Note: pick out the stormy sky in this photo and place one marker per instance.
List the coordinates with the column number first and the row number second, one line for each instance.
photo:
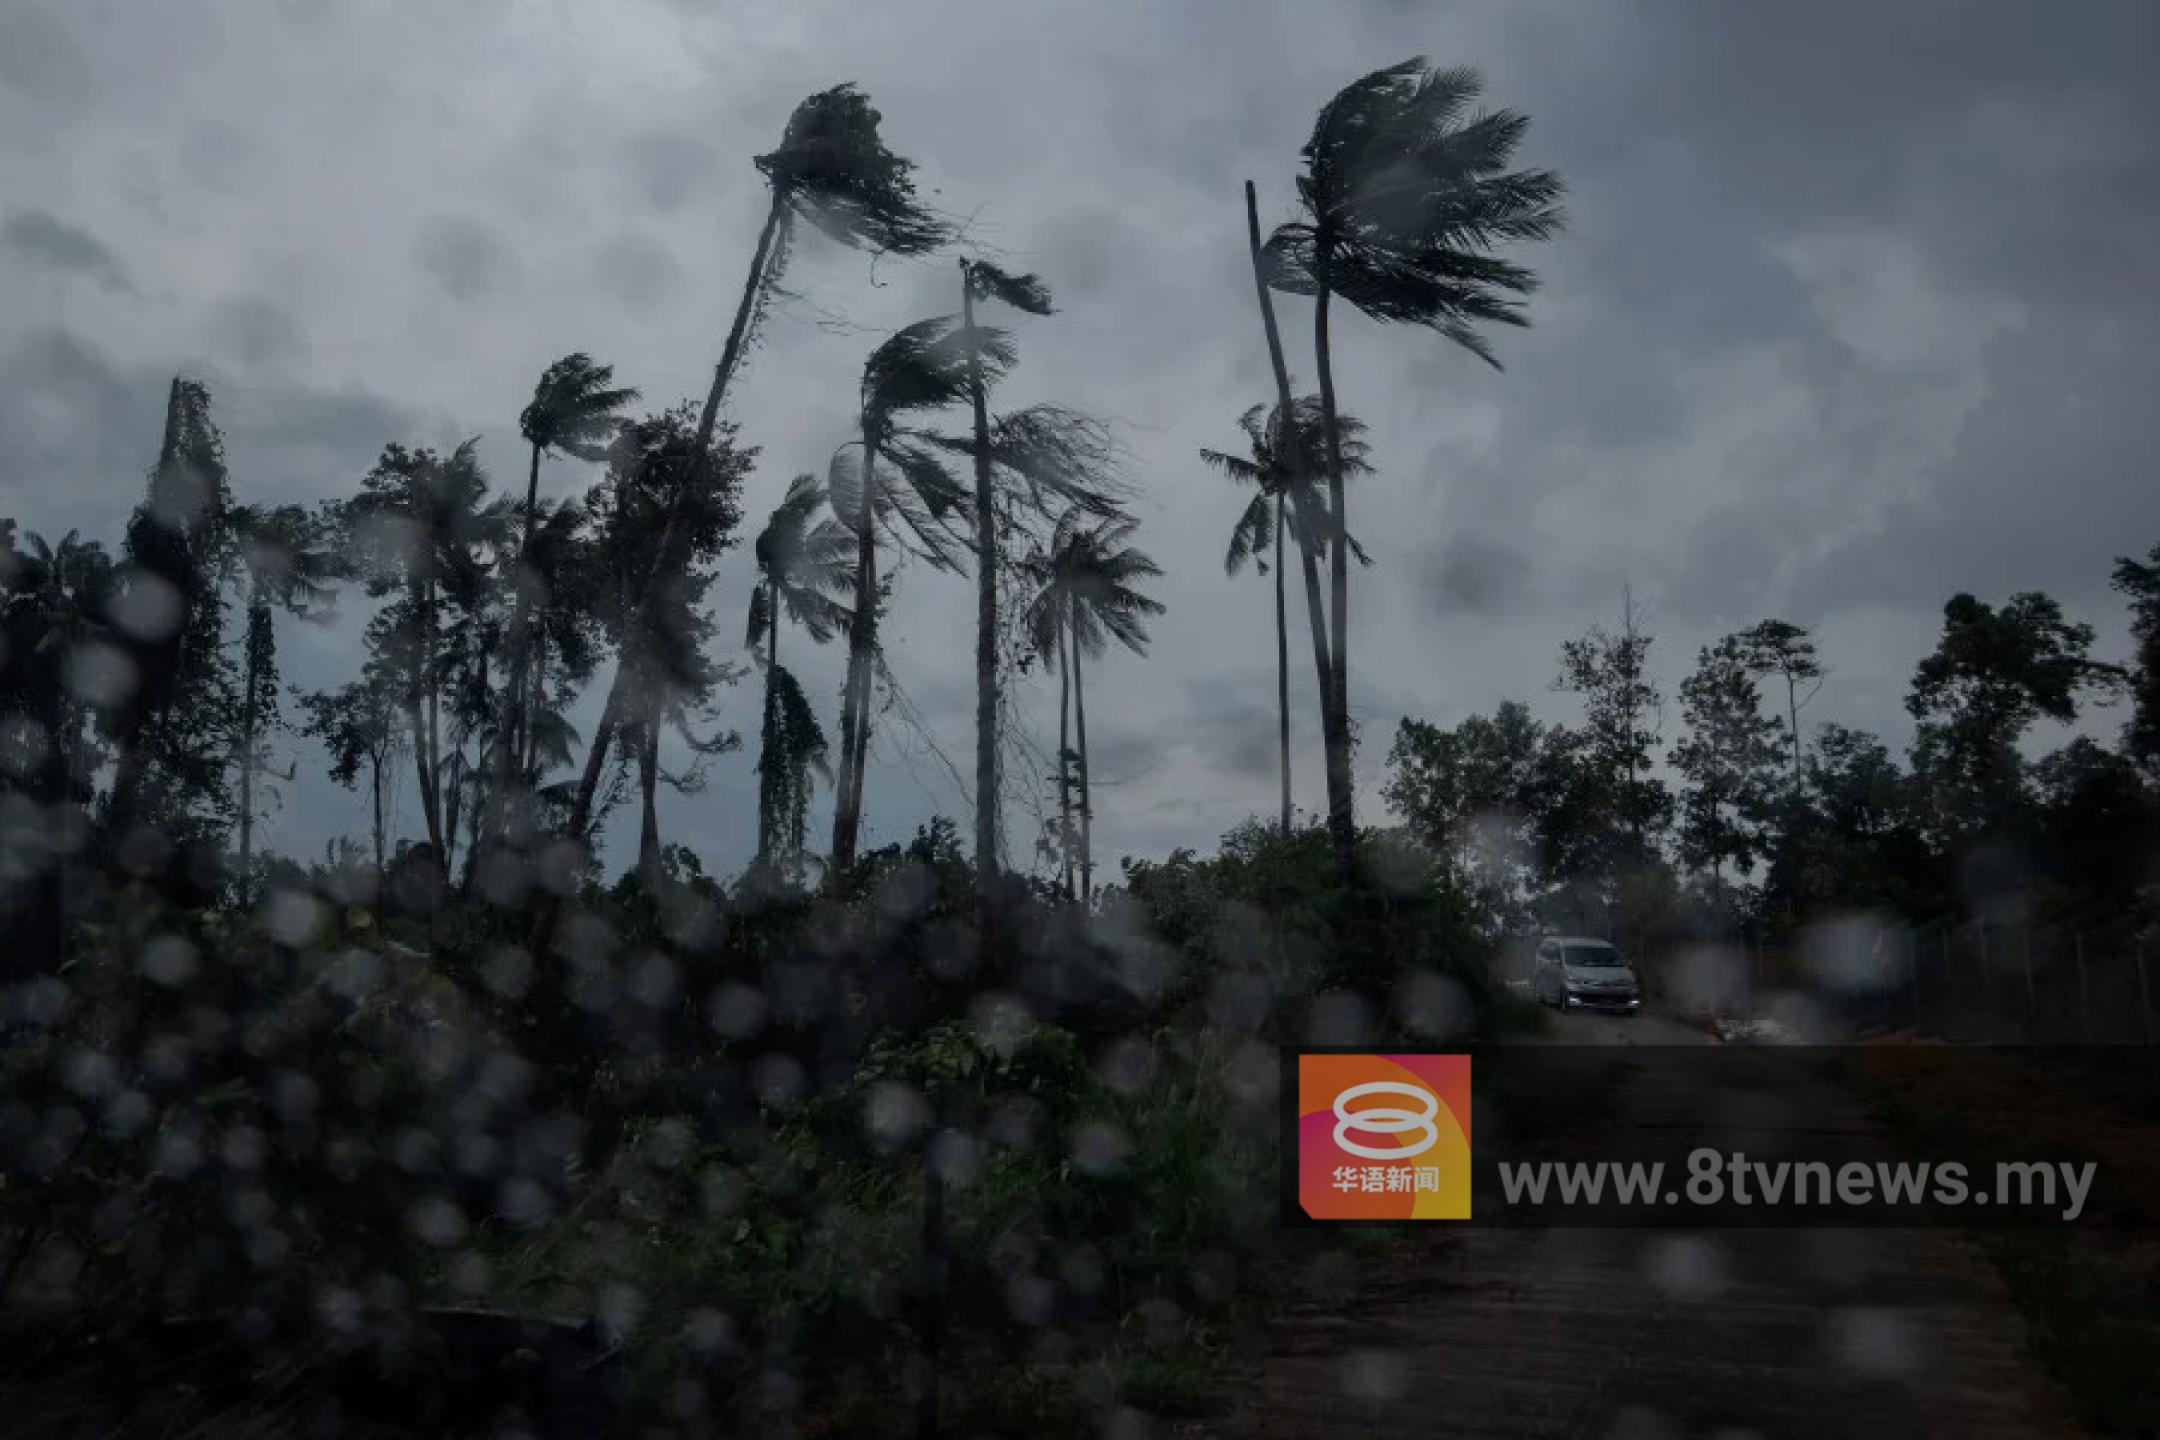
column 1857, row 307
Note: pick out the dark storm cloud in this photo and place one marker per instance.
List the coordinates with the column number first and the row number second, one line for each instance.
column 53, row 243
column 467, row 257
column 667, row 171
column 39, row 57
column 1857, row 307
column 1475, row 575
column 79, row 432
column 640, row 271
column 257, row 331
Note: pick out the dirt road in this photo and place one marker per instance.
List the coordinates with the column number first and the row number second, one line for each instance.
column 1636, row 1334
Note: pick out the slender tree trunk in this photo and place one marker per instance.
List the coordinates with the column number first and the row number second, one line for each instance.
column 768, row 820
column 1065, row 825
column 693, row 479
column 438, row 830
column 251, row 679
column 1087, row 796
column 535, row 702
column 453, row 808
column 1301, row 488
column 1282, row 665
column 1792, row 712
column 375, row 785
column 595, row 763
column 509, row 741
column 986, row 686
column 855, row 700
column 1342, row 819
column 649, row 821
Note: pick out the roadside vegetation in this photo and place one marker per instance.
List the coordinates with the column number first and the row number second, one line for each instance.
column 861, row 1139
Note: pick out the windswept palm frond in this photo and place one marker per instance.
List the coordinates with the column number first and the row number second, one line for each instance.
column 1407, row 194
column 805, row 567
column 1023, row 292
column 832, row 169
column 924, row 366
column 1268, row 469
column 576, row 408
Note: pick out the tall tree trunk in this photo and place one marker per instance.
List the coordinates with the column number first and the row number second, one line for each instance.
column 768, row 821
column 1342, row 819
column 986, row 538
column 1792, row 712
column 251, row 678
column 453, row 808
column 693, row 479
column 509, row 739
column 1087, row 797
column 535, row 702
column 862, row 646
column 595, row 764
column 375, row 785
column 649, row 811
column 1282, row 666
column 1065, row 825
column 1301, row 487
column 438, row 831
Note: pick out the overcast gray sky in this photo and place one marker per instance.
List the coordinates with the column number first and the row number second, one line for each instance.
column 1858, row 307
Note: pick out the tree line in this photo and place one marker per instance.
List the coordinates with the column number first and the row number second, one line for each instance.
column 1761, row 821
column 142, row 691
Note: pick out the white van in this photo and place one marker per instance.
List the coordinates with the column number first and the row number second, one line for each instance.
column 1574, row 973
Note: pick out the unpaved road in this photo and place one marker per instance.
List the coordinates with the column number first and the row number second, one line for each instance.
column 1635, row 1334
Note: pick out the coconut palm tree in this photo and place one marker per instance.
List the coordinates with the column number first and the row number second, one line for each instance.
column 922, row 368
column 576, row 409
column 804, row 574
column 291, row 563
column 650, row 603
column 1046, row 454
column 1405, row 197
column 421, row 530
column 832, row 171
column 1277, row 506
column 65, row 588
column 1085, row 598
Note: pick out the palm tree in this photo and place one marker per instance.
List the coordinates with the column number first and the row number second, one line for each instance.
column 650, row 601
column 576, row 409
column 1049, row 454
column 420, row 529
column 1084, row 599
column 1405, row 197
column 66, row 585
column 924, row 367
column 832, row 170
column 803, row 575
column 1276, row 479
column 561, row 563
column 292, row 564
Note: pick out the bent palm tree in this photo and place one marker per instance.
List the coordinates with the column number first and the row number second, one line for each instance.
column 1086, row 598
column 1405, row 197
column 576, row 409
column 803, row 574
column 1048, row 453
column 833, row 171
column 921, row 368
column 1282, row 500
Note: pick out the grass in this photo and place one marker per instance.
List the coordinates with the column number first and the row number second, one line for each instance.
column 2089, row 1294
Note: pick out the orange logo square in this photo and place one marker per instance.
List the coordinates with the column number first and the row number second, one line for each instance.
column 1383, row 1137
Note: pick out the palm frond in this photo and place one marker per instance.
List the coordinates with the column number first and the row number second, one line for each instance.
column 1022, row 292
column 832, row 168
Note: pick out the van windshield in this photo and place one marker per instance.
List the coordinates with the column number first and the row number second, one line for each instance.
column 1599, row 957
